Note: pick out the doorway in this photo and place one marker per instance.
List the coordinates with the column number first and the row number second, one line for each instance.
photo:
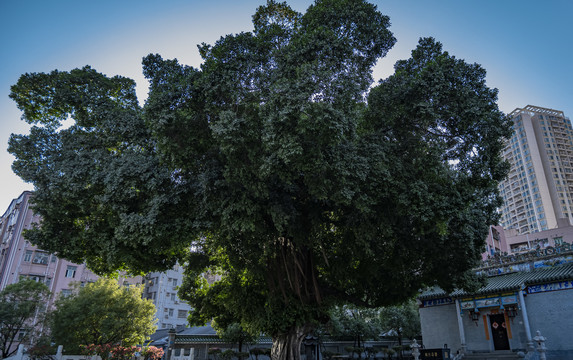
column 499, row 332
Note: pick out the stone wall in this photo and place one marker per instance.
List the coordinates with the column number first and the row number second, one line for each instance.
column 440, row 326
column 552, row 314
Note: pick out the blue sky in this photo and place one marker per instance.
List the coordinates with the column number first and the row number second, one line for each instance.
column 526, row 46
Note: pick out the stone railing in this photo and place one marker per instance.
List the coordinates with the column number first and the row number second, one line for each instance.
column 21, row 355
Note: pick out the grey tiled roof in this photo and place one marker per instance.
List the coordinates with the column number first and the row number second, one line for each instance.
column 510, row 282
column 205, row 335
column 211, row 339
column 198, row 339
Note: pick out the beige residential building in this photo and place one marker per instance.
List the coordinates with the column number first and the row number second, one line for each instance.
column 538, row 190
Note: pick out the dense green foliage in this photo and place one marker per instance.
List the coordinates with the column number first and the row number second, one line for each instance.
column 277, row 165
column 22, row 308
column 102, row 313
column 235, row 335
column 402, row 321
column 351, row 323
column 102, row 193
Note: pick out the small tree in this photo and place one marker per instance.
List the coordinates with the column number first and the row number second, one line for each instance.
column 20, row 306
column 151, row 353
column 42, row 349
column 228, row 354
column 103, row 313
column 354, row 323
column 101, row 350
column 123, row 352
column 256, row 352
column 402, row 320
column 235, row 334
column 214, row 352
column 371, row 352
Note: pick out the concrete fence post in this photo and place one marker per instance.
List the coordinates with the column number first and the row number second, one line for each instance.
column 59, row 353
column 20, row 352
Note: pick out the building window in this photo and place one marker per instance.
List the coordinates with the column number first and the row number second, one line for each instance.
column 40, row 258
column 174, row 282
column 541, row 242
column 558, row 240
column 173, row 297
column 170, row 312
column 71, row 271
column 66, row 292
column 28, row 256
column 182, row 314
column 37, row 278
column 42, row 308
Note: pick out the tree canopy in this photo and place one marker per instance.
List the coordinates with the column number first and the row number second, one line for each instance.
column 276, row 165
column 102, row 313
column 402, row 321
column 356, row 324
column 22, row 308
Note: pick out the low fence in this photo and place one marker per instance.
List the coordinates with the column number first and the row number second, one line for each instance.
column 21, row 355
column 385, row 349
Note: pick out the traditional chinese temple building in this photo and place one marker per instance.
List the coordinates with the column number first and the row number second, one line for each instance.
column 524, row 293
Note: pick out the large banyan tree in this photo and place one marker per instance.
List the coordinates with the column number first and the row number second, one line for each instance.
column 275, row 166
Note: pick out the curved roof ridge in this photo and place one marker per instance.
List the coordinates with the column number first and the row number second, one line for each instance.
column 510, row 282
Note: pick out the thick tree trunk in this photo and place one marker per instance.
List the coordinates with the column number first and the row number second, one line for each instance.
column 287, row 346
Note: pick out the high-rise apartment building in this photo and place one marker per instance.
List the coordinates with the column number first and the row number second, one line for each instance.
column 538, row 190
column 19, row 259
